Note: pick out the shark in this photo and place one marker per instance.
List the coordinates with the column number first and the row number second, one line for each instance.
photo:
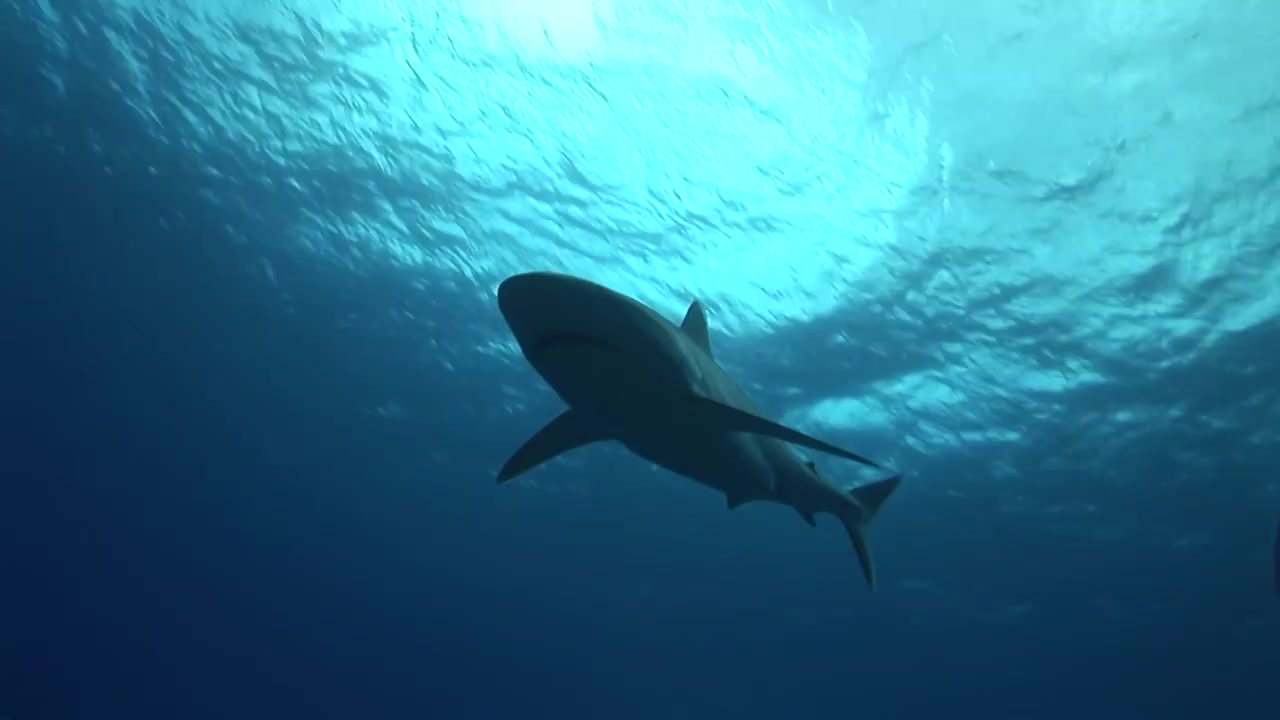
column 629, row 375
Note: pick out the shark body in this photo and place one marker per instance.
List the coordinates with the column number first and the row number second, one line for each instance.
column 629, row 375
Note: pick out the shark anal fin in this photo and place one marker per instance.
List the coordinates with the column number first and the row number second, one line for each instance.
column 568, row 431
column 712, row 414
column 695, row 326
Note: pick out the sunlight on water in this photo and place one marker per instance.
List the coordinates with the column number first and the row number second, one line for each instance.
column 703, row 145
column 997, row 209
column 567, row 31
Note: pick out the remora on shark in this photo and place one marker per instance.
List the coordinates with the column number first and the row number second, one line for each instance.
column 630, row 375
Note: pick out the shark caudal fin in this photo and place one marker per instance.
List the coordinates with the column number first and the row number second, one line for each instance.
column 869, row 498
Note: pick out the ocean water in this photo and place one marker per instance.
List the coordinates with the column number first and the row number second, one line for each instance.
column 257, row 389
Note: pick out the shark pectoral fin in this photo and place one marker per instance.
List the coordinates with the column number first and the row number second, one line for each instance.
column 567, row 432
column 729, row 419
column 695, row 326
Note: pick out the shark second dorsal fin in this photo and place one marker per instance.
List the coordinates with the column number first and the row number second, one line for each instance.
column 695, row 326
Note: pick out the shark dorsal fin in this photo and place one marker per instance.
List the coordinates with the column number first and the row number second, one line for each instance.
column 695, row 326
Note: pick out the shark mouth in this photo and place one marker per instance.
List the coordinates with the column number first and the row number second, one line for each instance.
column 569, row 340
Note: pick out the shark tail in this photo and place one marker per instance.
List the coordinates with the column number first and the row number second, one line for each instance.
column 867, row 499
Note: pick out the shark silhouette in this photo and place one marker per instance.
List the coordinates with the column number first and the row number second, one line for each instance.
column 630, row 375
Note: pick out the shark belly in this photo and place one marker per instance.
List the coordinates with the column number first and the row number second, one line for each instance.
column 643, row 405
column 730, row 463
column 601, row 380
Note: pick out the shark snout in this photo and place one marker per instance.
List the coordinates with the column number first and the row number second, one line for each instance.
column 527, row 304
column 541, row 305
column 514, row 293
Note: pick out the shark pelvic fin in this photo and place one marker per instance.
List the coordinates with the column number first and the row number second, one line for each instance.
column 567, row 432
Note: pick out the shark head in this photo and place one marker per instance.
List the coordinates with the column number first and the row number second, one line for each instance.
column 542, row 306
column 589, row 342
column 544, row 309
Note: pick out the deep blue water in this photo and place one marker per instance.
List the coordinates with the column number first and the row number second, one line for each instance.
column 257, row 388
